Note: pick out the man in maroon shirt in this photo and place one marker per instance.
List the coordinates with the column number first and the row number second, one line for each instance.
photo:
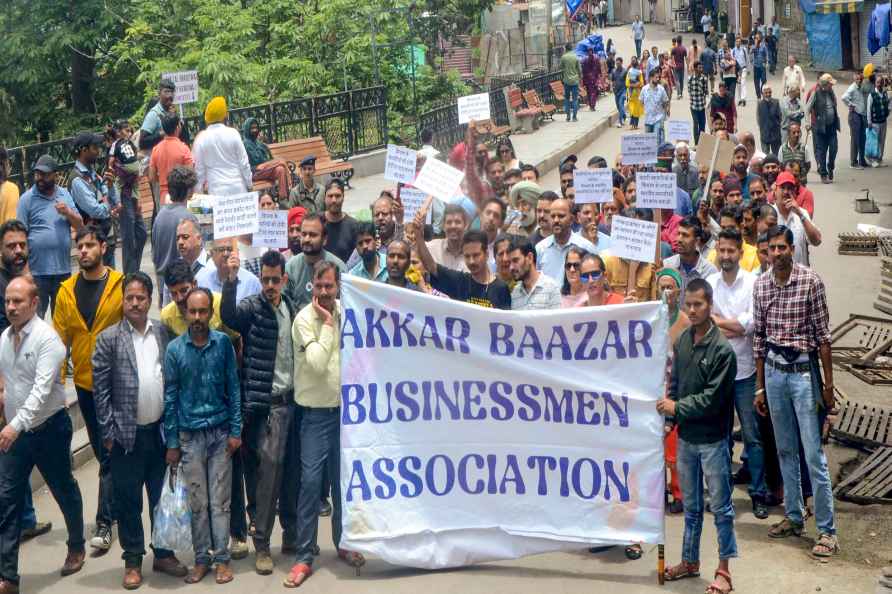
column 679, row 57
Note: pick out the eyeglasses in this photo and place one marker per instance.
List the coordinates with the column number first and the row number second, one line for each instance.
column 594, row 275
column 569, row 265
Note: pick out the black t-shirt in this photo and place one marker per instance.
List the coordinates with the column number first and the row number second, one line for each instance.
column 87, row 294
column 340, row 237
column 461, row 287
column 125, row 152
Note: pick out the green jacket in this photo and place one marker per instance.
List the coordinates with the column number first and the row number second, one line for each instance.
column 703, row 386
column 571, row 68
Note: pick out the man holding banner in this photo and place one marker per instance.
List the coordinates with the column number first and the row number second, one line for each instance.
column 700, row 400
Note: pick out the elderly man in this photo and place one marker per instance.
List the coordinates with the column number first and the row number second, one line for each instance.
column 793, row 76
column 686, row 174
column 855, row 98
column 524, row 197
column 791, row 111
column 214, row 275
column 824, row 121
column 221, row 161
column 796, row 150
column 769, row 116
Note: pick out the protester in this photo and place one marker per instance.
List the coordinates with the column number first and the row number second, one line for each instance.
column 618, row 85
column 9, row 191
column 307, row 194
column 855, row 98
column 728, row 67
column 722, row 104
column 791, row 111
column 733, row 315
column 340, row 228
column 732, row 218
column 263, row 166
column 202, row 429
column 877, row 115
column 180, row 280
column 769, row 119
column 573, row 292
column 551, row 251
column 793, row 76
column 689, row 262
column 31, row 362
column 171, row 152
column 317, row 388
column 794, row 149
column 95, row 198
column 221, row 161
column 570, row 77
column 634, row 84
column 295, row 217
column 372, row 265
column 88, row 303
column 534, row 289
column 189, row 246
column 791, row 333
column 591, row 74
column 824, row 120
column 214, row 274
column 300, row 267
column 698, row 93
column 656, row 105
column 128, row 390
column 593, row 278
column 699, row 400
column 524, row 197
column 180, row 183
column 448, row 250
column 795, row 217
column 399, row 259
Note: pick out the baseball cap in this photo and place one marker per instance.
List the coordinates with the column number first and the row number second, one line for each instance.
column 308, row 160
column 84, row 139
column 785, row 178
column 46, row 164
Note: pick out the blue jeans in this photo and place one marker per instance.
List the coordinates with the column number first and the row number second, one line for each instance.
column 208, row 473
column 620, row 97
column 133, row 235
column 792, row 400
column 744, row 393
column 320, row 450
column 698, row 116
column 759, row 78
column 571, row 100
column 658, row 128
column 710, row 461
column 29, row 516
column 638, row 48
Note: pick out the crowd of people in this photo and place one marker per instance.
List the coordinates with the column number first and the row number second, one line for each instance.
column 237, row 384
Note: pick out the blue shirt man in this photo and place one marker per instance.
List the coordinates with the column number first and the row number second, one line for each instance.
column 380, row 274
column 49, row 232
column 248, row 284
column 550, row 255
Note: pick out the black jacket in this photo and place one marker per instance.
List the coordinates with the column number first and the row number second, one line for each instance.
column 253, row 317
column 768, row 115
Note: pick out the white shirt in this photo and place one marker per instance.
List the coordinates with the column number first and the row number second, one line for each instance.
column 32, row 376
column 150, row 398
column 800, row 239
column 735, row 301
column 221, row 161
column 793, row 77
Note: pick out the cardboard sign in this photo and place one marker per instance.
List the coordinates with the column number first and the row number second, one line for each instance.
column 655, row 190
column 593, row 185
column 413, row 200
column 633, row 239
column 186, row 82
column 679, row 130
column 725, row 156
column 272, row 229
column 639, row 149
column 473, row 107
column 438, row 179
column 399, row 165
column 235, row 215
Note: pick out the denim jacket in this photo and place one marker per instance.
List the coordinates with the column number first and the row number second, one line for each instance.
column 201, row 388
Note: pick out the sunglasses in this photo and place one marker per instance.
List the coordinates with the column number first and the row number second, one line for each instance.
column 570, row 265
column 587, row 277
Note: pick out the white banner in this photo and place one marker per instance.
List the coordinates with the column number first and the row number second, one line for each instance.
column 186, row 83
column 439, row 179
column 471, row 434
column 473, row 107
column 399, row 165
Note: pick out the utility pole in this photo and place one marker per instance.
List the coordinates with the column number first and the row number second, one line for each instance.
column 548, row 33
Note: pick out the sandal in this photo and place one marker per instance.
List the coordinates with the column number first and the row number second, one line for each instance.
column 716, row 587
column 634, row 552
column 298, row 575
column 351, row 558
column 681, row 571
column 785, row 528
column 826, row 546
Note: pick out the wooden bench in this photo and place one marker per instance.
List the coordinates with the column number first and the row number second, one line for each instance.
column 492, row 132
column 294, row 151
column 525, row 119
column 557, row 89
column 533, row 100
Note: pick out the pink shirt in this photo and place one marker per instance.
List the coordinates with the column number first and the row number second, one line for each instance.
column 166, row 155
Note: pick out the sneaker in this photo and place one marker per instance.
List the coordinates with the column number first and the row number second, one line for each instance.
column 619, row 124
column 238, row 549
column 325, row 508
column 825, row 179
column 874, row 164
column 760, row 510
column 102, row 538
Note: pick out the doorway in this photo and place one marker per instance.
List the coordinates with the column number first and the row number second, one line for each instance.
column 846, row 28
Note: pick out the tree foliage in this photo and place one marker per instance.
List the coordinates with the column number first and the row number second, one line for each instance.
column 68, row 65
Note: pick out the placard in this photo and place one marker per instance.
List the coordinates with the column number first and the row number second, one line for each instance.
column 725, row 156
column 438, row 179
column 639, row 149
column 679, row 130
column 272, row 229
column 399, row 165
column 235, row 214
column 186, row 82
column 473, row 107
column 655, row 190
column 633, row 239
column 413, row 200
column 470, row 434
column 593, row 185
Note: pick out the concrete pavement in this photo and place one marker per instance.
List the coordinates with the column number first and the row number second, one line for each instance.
column 765, row 565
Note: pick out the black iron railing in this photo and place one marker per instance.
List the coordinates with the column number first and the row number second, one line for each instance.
column 351, row 122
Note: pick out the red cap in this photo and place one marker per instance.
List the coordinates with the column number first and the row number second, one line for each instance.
column 785, row 178
column 296, row 215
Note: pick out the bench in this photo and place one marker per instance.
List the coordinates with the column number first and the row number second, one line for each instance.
column 533, row 100
column 294, row 151
column 557, row 89
column 523, row 119
column 494, row 133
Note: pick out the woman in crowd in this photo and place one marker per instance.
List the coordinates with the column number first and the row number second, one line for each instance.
column 505, row 154
column 634, row 84
column 573, row 293
column 592, row 275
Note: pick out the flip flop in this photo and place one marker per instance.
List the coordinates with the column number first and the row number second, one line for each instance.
column 298, row 575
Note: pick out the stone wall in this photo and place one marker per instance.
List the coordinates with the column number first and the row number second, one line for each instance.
column 795, row 43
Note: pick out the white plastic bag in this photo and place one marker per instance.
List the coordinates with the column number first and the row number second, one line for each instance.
column 173, row 518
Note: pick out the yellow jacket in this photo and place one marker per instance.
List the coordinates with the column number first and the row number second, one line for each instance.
column 749, row 259
column 73, row 329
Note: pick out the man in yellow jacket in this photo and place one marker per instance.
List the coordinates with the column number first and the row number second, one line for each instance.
column 88, row 303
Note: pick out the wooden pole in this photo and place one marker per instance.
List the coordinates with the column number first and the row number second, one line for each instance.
column 661, row 563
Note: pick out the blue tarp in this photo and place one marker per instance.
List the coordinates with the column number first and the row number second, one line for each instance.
column 573, row 6
column 824, row 40
column 594, row 41
column 878, row 30
column 807, row 6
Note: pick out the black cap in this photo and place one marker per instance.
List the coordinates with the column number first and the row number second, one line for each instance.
column 85, row 139
column 308, row 160
column 46, row 164
column 568, row 159
column 166, row 83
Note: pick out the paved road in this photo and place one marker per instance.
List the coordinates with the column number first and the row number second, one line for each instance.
column 764, row 566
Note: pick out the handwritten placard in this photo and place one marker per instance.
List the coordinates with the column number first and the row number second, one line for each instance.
column 186, row 84
column 678, row 130
column 438, row 179
column 633, row 239
column 235, row 214
column 413, row 200
column 272, row 229
column 399, row 165
column 639, row 149
column 473, row 107
column 655, row 190
column 593, row 185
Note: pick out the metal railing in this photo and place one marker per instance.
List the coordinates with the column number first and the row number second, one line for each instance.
column 351, row 122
